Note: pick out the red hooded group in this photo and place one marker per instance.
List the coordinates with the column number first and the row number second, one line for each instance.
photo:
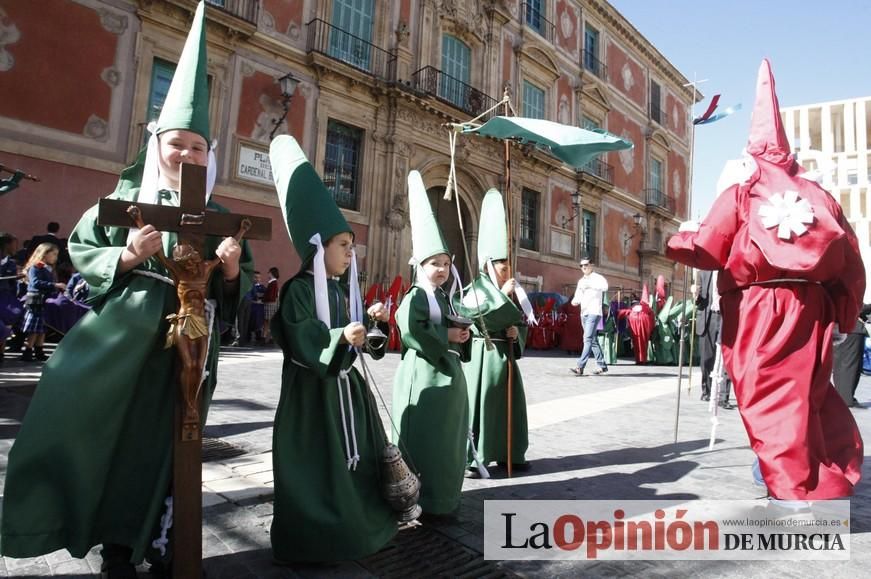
column 790, row 270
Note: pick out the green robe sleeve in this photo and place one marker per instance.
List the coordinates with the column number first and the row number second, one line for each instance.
column 307, row 340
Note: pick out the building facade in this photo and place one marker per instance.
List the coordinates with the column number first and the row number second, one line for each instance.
column 378, row 81
column 834, row 138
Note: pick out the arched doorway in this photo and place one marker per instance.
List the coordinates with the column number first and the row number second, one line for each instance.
column 446, row 215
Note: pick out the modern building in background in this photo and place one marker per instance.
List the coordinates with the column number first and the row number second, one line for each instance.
column 835, row 139
column 375, row 84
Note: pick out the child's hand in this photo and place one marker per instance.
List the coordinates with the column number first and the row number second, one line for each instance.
column 60, row 286
column 378, row 312
column 458, row 335
column 512, row 332
column 508, row 287
column 142, row 245
column 229, row 253
column 355, row 334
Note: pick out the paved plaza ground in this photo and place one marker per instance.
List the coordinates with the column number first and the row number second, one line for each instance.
column 596, row 437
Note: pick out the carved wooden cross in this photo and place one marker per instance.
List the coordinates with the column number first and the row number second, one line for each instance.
column 189, row 333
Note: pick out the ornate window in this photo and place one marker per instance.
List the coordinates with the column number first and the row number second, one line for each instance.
column 342, row 163
column 456, row 59
column 351, row 35
column 533, row 101
column 529, row 219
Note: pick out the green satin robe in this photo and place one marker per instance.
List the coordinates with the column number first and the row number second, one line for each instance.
column 487, row 377
column 323, row 510
column 92, row 463
column 430, row 403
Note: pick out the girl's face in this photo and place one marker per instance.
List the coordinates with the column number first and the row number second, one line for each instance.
column 337, row 253
column 503, row 271
column 437, row 268
column 50, row 257
column 179, row 146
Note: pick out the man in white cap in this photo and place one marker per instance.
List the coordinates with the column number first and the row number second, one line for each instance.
column 588, row 295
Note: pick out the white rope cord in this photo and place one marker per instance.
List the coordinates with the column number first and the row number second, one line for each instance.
column 482, row 470
column 351, row 455
column 211, row 306
column 165, row 523
column 153, row 275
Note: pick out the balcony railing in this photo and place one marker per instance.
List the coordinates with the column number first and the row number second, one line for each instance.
column 657, row 115
column 534, row 18
column 247, row 10
column 594, row 65
column 590, row 252
column 453, row 91
column 656, row 199
column 599, row 168
column 326, row 39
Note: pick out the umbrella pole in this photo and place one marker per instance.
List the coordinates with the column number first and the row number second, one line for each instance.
column 509, row 391
column 692, row 340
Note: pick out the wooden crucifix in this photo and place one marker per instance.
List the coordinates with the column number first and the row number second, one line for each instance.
column 189, row 333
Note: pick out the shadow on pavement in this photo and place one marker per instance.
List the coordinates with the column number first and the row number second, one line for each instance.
column 219, row 430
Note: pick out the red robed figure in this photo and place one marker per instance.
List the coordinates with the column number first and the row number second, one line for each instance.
column 641, row 324
column 791, row 269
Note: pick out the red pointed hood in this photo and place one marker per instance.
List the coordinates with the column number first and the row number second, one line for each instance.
column 645, row 294
column 767, row 136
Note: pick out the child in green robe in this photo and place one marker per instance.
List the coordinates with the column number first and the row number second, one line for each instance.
column 488, row 300
column 430, row 402
column 328, row 438
column 93, row 460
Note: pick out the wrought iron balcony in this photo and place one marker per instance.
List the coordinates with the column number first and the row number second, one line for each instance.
column 590, row 252
column 247, row 10
column 599, row 168
column 656, row 199
column 535, row 19
column 468, row 99
column 338, row 44
column 657, row 115
column 594, row 65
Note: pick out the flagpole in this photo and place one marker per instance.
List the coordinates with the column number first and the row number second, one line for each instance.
column 682, row 323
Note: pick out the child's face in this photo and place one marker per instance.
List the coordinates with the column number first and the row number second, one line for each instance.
column 50, row 258
column 256, row 278
column 179, row 146
column 337, row 253
column 503, row 270
column 437, row 268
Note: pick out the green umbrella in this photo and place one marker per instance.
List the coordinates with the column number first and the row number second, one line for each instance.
column 572, row 145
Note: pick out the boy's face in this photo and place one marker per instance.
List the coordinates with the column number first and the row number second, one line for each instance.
column 437, row 268
column 337, row 253
column 503, row 270
column 179, row 146
column 256, row 278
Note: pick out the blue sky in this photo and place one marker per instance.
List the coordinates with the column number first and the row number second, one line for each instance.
column 818, row 52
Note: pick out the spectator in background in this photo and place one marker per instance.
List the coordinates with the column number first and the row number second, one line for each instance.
column 40, row 285
column 50, row 237
column 270, row 303
column 849, row 349
column 589, row 295
column 10, row 307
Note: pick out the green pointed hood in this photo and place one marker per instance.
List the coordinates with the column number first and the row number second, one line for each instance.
column 492, row 230
column 187, row 101
column 426, row 237
column 306, row 204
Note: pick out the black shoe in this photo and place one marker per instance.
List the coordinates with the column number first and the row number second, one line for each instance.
column 726, row 405
column 601, row 370
column 705, row 397
column 27, row 355
column 39, row 354
column 577, row 371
